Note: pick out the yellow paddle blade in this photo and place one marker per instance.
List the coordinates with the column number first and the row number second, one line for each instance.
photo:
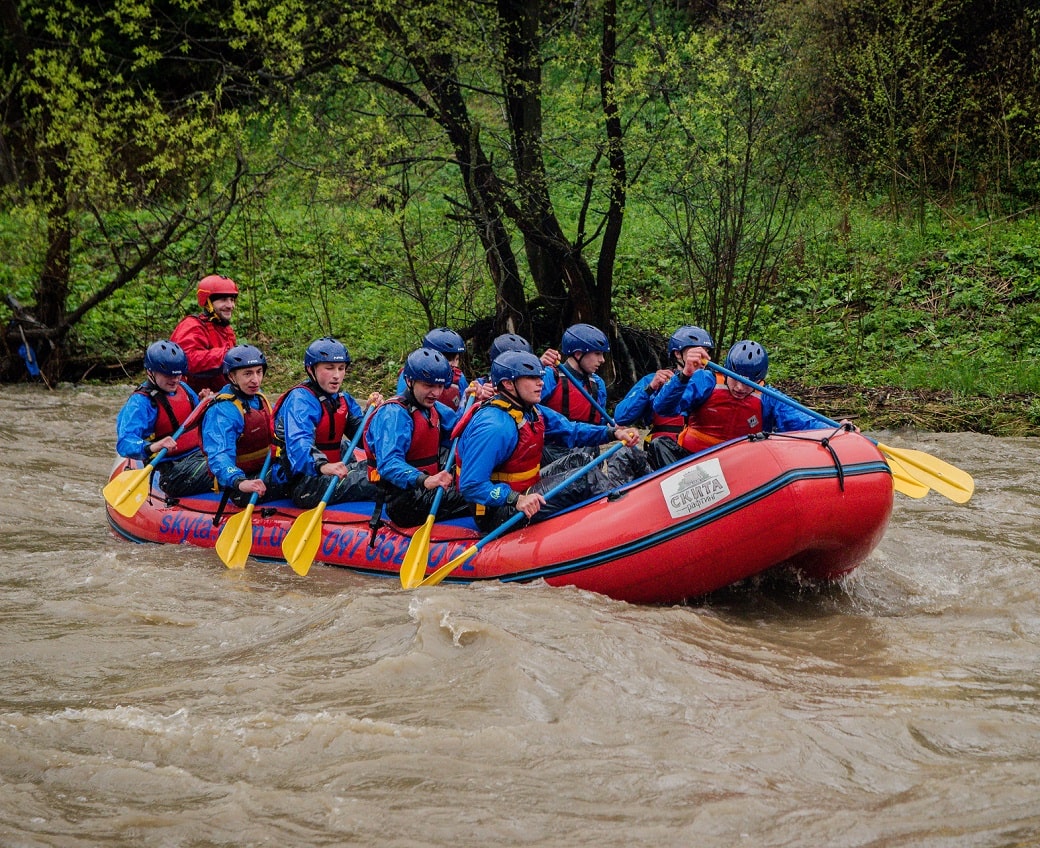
column 301, row 542
column 904, row 482
column 449, row 567
column 946, row 479
column 236, row 539
column 413, row 566
column 127, row 490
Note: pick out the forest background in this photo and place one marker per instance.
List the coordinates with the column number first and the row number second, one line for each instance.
column 854, row 183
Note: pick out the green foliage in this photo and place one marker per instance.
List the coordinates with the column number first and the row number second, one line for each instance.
column 730, row 160
column 926, row 101
column 350, row 215
column 116, row 141
column 951, row 309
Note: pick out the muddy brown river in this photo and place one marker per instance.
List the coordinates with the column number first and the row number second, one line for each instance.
column 151, row 697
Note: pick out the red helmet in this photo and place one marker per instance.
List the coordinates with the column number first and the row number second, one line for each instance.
column 214, row 284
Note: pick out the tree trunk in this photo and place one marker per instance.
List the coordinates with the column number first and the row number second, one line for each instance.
column 52, row 287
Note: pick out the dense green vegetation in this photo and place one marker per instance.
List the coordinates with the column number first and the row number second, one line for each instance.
column 862, row 306
column 854, row 184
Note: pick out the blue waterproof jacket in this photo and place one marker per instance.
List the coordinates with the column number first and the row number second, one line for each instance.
column 681, row 397
column 136, row 421
column 222, row 424
column 490, row 438
column 636, row 409
column 390, row 436
column 295, row 423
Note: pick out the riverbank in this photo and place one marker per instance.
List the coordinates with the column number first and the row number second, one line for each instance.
column 893, row 408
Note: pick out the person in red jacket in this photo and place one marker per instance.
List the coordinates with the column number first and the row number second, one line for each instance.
column 207, row 336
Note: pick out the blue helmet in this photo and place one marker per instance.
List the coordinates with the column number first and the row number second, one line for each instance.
column 243, row 356
column 583, row 338
column 508, row 341
column 749, row 359
column 325, row 349
column 167, row 358
column 444, row 341
column 514, row 364
column 690, row 336
column 429, row 366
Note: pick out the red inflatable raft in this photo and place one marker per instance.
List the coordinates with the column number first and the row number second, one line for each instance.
column 817, row 502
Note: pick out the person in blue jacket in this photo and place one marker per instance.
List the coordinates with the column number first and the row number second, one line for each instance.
column 403, row 444
column 154, row 412
column 637, row 407
column 716, row 411
column 500, row 448
column 451, row 346
column 583, row 350
column 237, row 429
column 311, row 421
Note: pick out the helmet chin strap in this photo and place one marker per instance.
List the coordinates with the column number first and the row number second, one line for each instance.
column 409, row 395
column 577, row 356
column 212, row 313
column 515, row 398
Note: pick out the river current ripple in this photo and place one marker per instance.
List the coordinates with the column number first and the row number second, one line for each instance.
column 151, row 697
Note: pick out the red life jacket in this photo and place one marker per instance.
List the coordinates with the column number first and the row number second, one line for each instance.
column 523, row 467
column 721, row 417
column 254, row 443
column 424, row 450
column 665, row 425
column 170, row 412
column 329, row 430
column 451, row 395
column 571, row 403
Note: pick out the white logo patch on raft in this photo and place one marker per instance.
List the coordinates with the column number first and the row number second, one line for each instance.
column 696, row 488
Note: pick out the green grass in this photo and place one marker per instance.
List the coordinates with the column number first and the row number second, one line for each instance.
column 955, row 309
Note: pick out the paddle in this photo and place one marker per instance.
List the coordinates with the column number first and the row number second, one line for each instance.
column 909, row 467
column 595, row 404
column 903, row 481
column 450, row 566
column 127, row 490
column 415, row 558
column 229, row 543
column 301, row 542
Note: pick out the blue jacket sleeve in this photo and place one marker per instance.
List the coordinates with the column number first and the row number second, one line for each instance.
column 136, row 421
column 354, row 409
column 679, row 397
column 297, row 417
column 637, row 407
column 389, row 436
column 601, row 391
column 222, row 424
column 548, row 383
column 780, row 417
column 573, row 434
column 488, row 440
